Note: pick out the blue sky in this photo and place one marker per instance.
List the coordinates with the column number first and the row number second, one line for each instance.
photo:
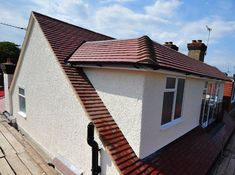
column 163, row 20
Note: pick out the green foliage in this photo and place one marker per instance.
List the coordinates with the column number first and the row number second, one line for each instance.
column 9, row 50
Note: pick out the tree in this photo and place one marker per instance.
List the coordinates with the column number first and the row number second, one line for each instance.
column 9, row 50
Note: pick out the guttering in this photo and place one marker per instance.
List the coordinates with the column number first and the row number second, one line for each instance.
column 96, row 169
column 143, row 66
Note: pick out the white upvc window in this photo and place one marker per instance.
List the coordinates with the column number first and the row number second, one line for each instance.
column 172, row 100
column 22, row 102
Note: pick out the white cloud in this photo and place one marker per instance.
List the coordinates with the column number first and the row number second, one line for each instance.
column 165, row 8
column 198, row 29
column 221, row 59
column 128, row 24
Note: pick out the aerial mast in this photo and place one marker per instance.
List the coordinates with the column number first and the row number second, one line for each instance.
column 209, row 32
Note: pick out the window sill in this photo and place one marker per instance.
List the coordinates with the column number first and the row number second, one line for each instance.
column 171, row 124
column 22, row 114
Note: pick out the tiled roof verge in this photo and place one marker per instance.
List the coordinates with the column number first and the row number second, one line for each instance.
column 54, row 19
column 146, row 47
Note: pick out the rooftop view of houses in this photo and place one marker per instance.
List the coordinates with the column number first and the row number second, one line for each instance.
column 77, row 101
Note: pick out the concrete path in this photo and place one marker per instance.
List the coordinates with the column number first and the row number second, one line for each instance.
column 17, row 156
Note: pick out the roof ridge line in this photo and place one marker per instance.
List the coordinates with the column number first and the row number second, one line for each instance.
column 68, row 57
column 67, row 23
column 146, row 46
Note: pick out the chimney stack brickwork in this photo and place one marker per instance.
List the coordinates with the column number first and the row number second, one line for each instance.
column 171, row 45
column 197, row 50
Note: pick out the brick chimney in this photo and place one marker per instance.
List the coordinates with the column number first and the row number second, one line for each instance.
column 197, row 50
column 171, row 45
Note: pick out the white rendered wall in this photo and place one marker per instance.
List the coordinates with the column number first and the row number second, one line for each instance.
column 7, row 83
column 153, row 136
column 134, row 99
column 122, row 93
column 54, row 116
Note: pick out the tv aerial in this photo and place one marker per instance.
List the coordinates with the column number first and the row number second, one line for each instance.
column 209, row 32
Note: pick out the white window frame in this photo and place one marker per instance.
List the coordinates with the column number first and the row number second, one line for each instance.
column 178, row 120
column 208, row 97
column 21, row 113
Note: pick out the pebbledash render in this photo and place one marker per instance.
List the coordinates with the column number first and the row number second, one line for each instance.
column 144, row 99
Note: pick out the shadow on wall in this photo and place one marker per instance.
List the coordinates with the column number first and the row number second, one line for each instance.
column 125, row 83
column 151, row 112
column 105, row 161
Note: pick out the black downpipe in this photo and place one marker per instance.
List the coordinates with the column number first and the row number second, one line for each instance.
column 96, row 169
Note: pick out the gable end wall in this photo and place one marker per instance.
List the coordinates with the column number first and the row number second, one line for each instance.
column 55, row 119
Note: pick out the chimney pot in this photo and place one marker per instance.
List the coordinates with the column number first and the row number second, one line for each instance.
column 194, row 41
column 200, row 41
column 171, row 45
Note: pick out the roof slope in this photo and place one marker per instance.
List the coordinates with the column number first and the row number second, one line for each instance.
column 65, row 38
column 195, row 152
column 130, row 50
column 142, row 50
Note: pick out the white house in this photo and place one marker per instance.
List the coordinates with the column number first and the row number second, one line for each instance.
column 139, row 95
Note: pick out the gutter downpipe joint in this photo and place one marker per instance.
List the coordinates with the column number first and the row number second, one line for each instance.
column 96, row 169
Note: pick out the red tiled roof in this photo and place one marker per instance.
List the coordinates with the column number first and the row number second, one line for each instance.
column 195, row 152
column 110, row 134
column 228, row 89
column 131, row 50
column 142, row 50
column 65, row 38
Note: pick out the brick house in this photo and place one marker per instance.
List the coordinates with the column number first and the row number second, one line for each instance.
column 149, row 103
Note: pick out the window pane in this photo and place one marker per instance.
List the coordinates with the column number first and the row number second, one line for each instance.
column 170, row 83
column 167, row 107
column 179, row 98
column 22, row 103
column 202, row 111
column 21, row 91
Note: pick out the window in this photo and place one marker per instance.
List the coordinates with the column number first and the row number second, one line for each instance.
column 172, row 100
column 211, row 103
column 22, row 105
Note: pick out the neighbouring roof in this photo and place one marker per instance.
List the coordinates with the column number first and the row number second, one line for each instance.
column 64, row 40
column 142, row 51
